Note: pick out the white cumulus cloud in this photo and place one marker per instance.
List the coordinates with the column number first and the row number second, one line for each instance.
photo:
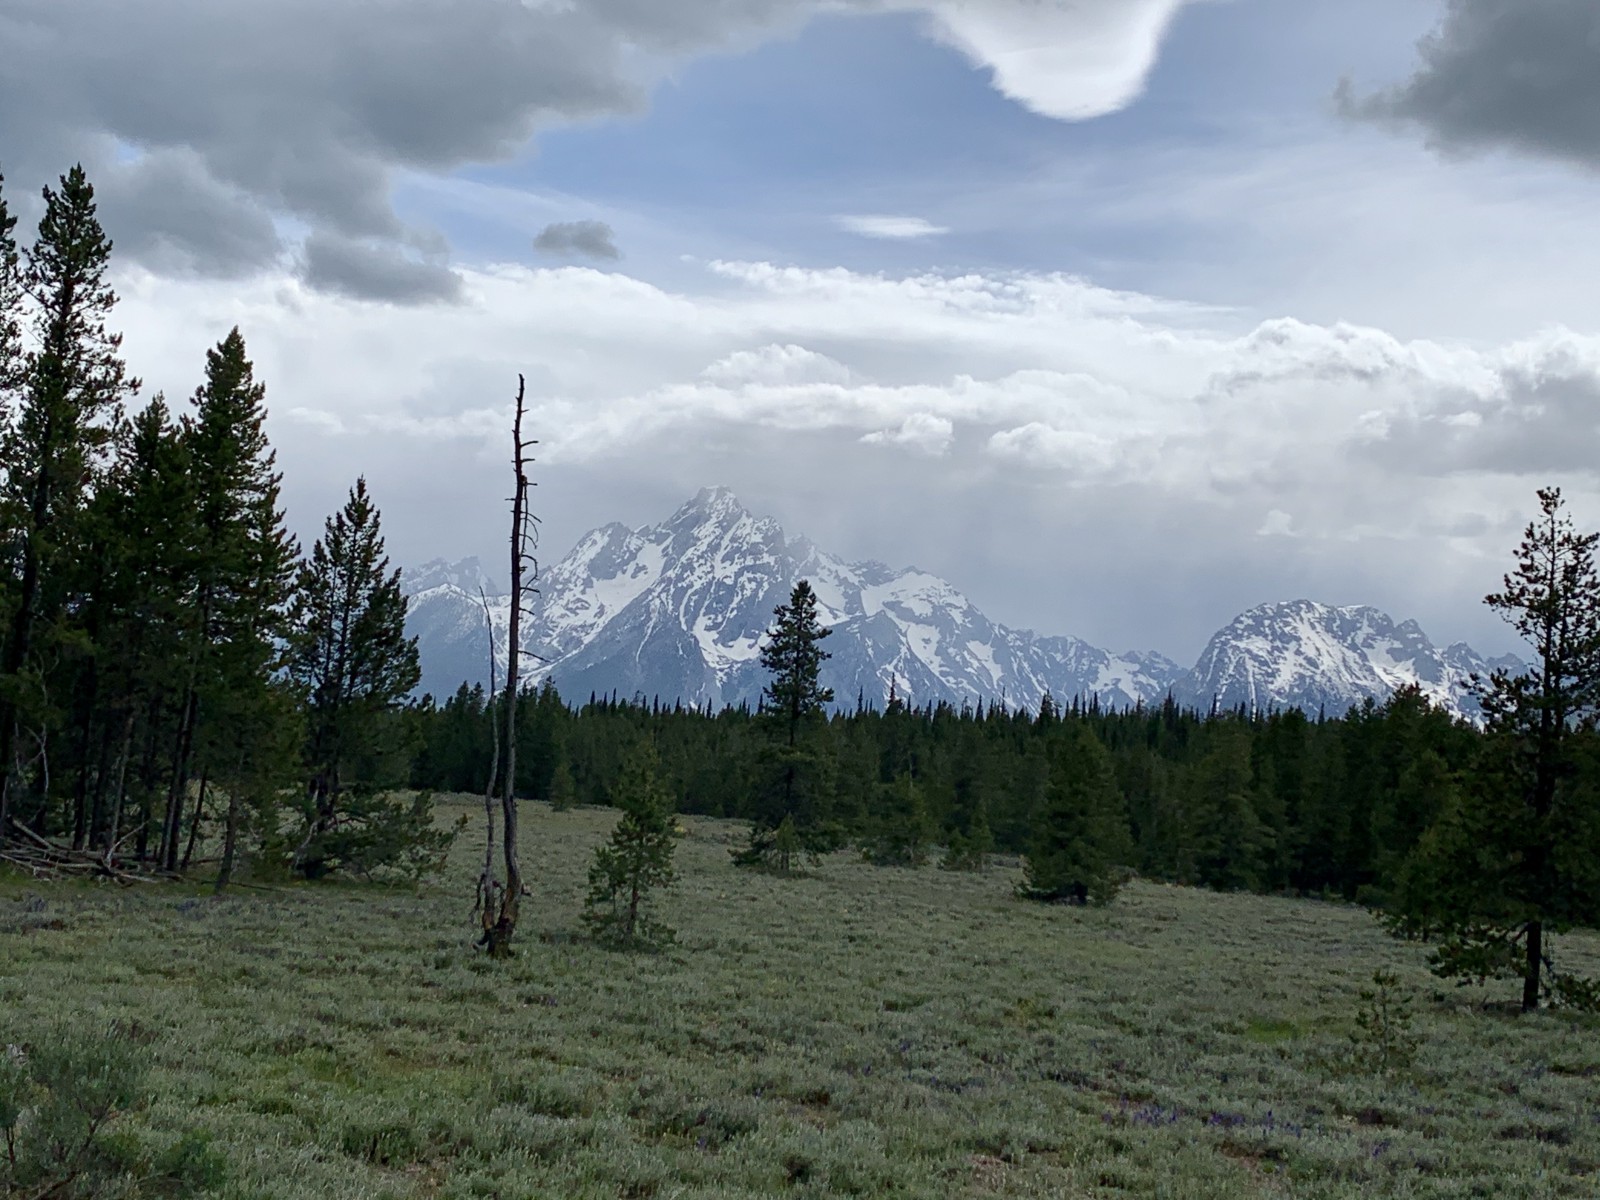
column 1068, row 59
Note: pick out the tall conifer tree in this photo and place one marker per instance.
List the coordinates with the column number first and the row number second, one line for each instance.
column 1516, row 855
column 791, row 784
column 1080, row 838
column 10, row 310
column 242, row 562
column 140, row 556
column 73, row 383
column 349, row 651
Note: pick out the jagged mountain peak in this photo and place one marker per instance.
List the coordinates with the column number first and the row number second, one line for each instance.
column 712, row 507
column 679, row 610
column 1317, row 656
column 466, row 575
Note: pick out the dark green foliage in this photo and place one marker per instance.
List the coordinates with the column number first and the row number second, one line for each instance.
column 793, row 655
column 349, row 653
column 898, row 829
column 1330, row 806
column 1513, row 852
column 386, row 835
column 969, row 849
column 1081, row 842
column 62, row 1099
column 11, row 310
column 636, row 861
column 1227, row 844
column 70, row 387
column 793, row 776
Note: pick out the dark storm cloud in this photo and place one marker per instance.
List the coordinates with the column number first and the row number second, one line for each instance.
column 310, row 109
column 591, row 239
column 1515, row 74
column 374, row 270
column 170, row 214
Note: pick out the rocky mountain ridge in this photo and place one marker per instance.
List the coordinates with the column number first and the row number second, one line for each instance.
column 677, row 611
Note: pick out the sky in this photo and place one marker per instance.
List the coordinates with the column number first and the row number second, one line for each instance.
column 1121, row 315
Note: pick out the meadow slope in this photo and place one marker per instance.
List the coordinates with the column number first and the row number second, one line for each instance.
column 856, row 1031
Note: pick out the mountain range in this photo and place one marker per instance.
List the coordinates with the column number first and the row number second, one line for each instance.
column 678, row 610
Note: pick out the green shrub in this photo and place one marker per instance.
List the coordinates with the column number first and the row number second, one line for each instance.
column 63, row 1100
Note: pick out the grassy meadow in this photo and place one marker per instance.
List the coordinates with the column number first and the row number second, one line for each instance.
column 856, row 1031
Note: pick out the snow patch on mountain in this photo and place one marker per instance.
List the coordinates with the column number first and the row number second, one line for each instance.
column 1320, row 657
column 679, row 610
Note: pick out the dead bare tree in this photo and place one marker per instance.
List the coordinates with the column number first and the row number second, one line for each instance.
column 487, row 904
column 500, row 922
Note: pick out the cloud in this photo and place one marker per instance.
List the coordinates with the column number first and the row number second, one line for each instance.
column 1148, row 437
column 310, row 113
column 1068, row 59
column 1535, row 411
column 587, row 239
column 180, row 220
column 1277, row 523
column 374, row 270
column 776, row 366
column 1080, row 385
column 922, row 432
column 1522, row 75
column 893, row 228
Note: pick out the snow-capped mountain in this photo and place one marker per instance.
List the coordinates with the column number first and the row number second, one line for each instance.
column 1319, row 657
column 678, row 610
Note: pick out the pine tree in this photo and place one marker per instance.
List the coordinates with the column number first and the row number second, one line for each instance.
column 1228, row 845
column 73, row 383
column 636, row 860
column 898, row 833
column 792, row 775
column 1080, row 839
column 140, row 554
column 1515, row 856
column 968, row 838
column 241, row 570
column 969, row 849
column 11, row 318
column 348, row 650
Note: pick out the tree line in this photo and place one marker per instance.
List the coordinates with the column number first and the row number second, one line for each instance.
column 1270, row 802
column 1482, row 840
column 169, row 660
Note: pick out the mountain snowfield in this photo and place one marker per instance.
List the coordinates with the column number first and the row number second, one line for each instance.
column 1321, row 658
column 678, row 611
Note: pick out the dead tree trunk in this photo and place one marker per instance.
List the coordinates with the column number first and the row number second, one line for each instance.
column 497, row 934
column 194, row 825
column 230, row 832
column 487, row 905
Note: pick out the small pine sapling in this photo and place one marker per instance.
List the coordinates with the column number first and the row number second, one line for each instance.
column 635, row 861
column 1382, row 1042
